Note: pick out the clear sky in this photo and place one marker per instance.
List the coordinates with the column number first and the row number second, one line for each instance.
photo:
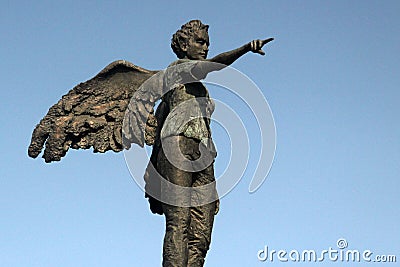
column 332, row 81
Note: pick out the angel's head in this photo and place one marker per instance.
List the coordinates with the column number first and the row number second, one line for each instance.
column 191, row 41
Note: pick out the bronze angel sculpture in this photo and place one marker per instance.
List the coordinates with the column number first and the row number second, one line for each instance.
column 116, row 108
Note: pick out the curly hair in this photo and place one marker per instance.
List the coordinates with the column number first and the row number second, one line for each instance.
column 183, row 35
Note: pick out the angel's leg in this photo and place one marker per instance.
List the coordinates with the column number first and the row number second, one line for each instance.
column 175, row 249
column 202, row 218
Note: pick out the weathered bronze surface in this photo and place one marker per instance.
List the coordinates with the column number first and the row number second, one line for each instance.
column 92, row 115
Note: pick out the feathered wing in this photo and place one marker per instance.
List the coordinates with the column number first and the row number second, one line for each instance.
column 92, row 114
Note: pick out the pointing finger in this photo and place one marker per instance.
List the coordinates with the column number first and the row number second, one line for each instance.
column 267, row 40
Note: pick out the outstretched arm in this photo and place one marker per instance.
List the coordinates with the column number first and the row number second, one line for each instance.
column 229, row 57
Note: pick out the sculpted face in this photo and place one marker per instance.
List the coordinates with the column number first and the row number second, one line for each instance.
column 197, row 47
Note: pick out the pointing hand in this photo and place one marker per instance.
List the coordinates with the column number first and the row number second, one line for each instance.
column 256, row 45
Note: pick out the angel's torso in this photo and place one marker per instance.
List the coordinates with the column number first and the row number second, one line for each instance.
column 189, row 104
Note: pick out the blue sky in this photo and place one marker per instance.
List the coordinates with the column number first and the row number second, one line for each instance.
column 332, row 81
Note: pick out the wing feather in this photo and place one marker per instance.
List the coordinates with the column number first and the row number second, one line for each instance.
column 92, row 114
